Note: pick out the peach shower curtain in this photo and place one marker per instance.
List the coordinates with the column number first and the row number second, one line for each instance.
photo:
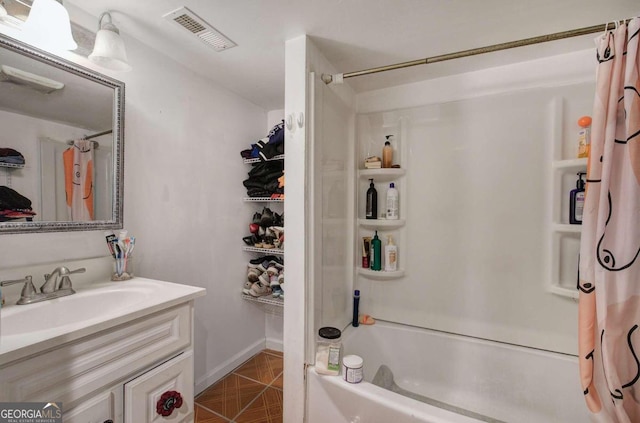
column 609, row 282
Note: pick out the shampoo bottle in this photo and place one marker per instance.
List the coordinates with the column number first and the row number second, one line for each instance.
column 376, row 253
column 372, row 202
column 392, row 202
column 390, row 255
column 387, row 152
column 576, row 201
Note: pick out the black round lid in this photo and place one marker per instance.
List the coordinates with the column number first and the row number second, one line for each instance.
column 329, row 333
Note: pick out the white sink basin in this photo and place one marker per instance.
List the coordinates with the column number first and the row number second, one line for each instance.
column 80, row 307
column 34, row 327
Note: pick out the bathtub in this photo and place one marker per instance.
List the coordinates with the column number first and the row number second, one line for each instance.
column 475, row 380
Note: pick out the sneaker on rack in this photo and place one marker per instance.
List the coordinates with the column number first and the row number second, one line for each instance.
column 274, row 268
column 264, row 278
column 253, row 273
column 264, row 265
column 274, row 285
column 250, row 240
column 267, row 258
column 276, row 291
column 247, row 286
column 266, row 219
column 259, row 289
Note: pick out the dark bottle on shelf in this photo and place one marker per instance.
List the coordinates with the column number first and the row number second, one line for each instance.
column 356, row 303
column 376, row 253
column 576, row 201
column 372, row 202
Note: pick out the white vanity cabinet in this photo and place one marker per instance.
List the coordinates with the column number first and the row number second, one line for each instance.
column 104, row 407
column 118, row 374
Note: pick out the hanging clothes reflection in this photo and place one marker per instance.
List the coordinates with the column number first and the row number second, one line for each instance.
column 78, row 176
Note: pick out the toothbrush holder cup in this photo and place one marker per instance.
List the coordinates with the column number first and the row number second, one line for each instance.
column 123, row 268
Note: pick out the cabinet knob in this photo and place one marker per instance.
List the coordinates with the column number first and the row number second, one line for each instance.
column 169, row 401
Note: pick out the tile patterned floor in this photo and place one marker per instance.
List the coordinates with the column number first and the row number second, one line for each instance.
column 252, row 393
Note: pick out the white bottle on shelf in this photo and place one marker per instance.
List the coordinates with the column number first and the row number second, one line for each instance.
column 390, row 255
column 392, row 202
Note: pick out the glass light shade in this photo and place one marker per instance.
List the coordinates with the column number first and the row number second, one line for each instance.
column 3, row 12
column 48, row 26
column 109, row 51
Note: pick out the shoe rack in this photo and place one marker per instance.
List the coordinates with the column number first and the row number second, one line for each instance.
column 8, row 168
column 267, row 303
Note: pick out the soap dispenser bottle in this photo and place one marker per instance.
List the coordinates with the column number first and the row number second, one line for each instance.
column 376, row 253
column 576, row 201
column 387, row 153
column 372, row 202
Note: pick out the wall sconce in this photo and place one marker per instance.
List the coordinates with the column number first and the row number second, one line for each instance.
column 48, row 26
column 109, row 51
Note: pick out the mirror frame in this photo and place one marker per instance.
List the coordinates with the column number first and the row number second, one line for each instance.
column 118, row 140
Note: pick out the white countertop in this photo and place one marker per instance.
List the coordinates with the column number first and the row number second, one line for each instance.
column 29, row 329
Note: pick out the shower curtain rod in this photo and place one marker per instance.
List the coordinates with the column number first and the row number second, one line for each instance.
column 338, row 78
column 96, row 144
column 99, row 134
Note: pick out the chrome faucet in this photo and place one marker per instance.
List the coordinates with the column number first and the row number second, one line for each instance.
column 50, row 280
column 48, row 290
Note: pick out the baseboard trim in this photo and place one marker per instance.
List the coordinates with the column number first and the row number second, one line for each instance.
column 275, row 344
column 228, row 365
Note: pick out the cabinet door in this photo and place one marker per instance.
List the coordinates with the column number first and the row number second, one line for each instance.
column 103, row 408
column 159, row 388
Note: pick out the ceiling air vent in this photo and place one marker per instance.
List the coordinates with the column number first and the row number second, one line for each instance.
column 201, row 29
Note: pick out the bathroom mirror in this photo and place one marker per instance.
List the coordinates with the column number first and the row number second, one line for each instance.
column 48, row 106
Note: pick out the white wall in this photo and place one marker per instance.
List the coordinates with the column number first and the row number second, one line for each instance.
column 303, row 207
column 273, row 323
column 183, row 191
column 183, row 198
column 295, row 313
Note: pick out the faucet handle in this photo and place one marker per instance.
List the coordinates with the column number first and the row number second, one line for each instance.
column 26, row 279
column 65, row 282
column 28, row 290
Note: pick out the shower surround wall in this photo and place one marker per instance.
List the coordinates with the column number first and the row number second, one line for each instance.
column 477, row 151
column 476, row 198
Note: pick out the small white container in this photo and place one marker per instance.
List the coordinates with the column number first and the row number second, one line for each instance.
column 352, row 368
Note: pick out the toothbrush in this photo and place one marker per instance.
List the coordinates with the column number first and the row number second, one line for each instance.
column 110, row 237
column 132, row 244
